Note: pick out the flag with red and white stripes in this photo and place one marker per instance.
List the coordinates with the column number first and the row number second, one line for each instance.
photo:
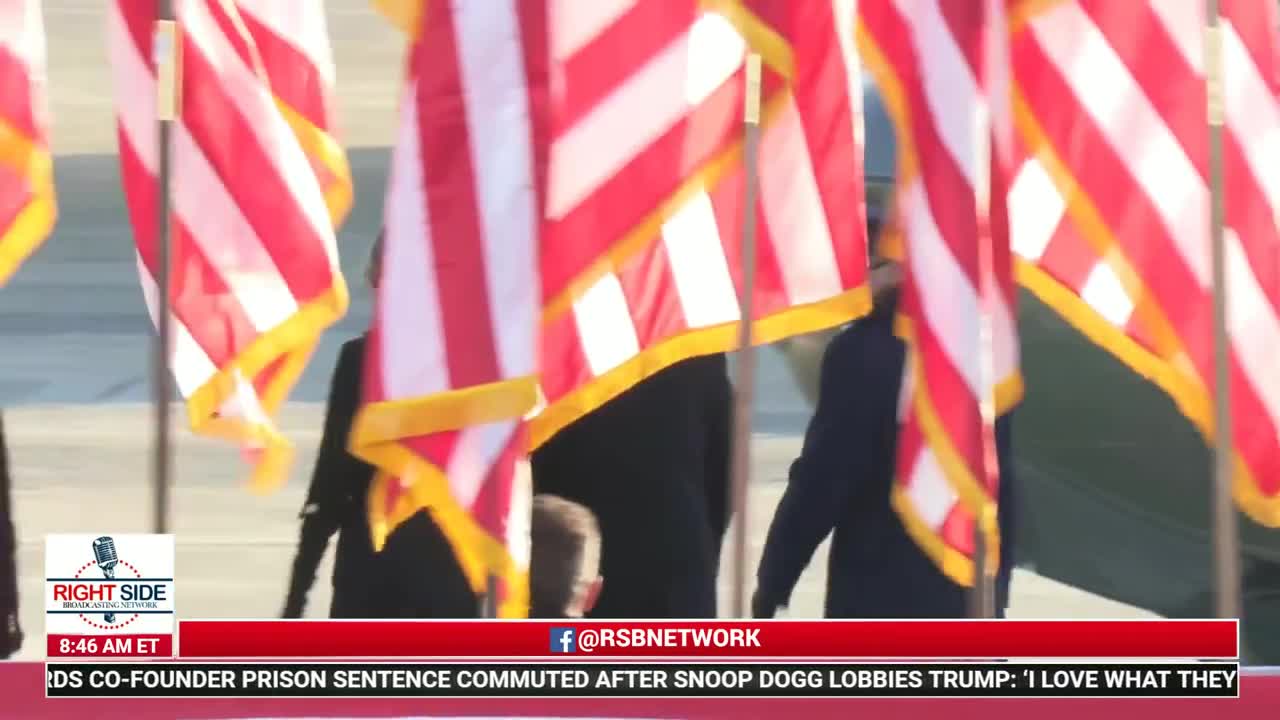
column 292, row 40
column 27, row 205
column 641, row 260
column 1110, row 207
column 254, row 264
column 450, row 361
column 941, row 62
column 624, row 259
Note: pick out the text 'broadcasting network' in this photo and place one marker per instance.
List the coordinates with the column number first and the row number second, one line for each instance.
column 569, row 640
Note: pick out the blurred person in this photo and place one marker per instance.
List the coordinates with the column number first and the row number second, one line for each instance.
column 10, row 631
column 842, row 479
column 652, row 465
column 416, row 575
column 564, row 564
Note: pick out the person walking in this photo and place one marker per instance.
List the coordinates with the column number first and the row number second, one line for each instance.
column 841, row 484
column 416, row 575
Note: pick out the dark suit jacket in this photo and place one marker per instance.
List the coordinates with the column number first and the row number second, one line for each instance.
column 10, row 634
column 416, row 573
column 653, row 466
column 842, row 481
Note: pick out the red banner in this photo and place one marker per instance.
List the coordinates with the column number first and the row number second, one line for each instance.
column 21, row 686
column 921, row 639
column 106, row 646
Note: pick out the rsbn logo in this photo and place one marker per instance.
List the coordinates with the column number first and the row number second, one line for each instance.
column 562, row 640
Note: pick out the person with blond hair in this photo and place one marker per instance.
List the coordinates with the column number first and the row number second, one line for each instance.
column 564, row 564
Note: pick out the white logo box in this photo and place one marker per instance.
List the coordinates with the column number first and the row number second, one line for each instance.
column 78, row 595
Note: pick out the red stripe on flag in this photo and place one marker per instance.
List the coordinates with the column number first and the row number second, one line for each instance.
column 1255, row 23
column 1124, row 206
column 617, row 54
column 453, row 206
column 959, row 529
column 234, row 151
column 200, row 298
column 15, row 89
column 1068, row 258
column 727, row 200
column 619, row 204
column 651, row 295
column 561, row 348
column 821, row 92
column 230, row 27
column 1255, row 437
column 294, row 77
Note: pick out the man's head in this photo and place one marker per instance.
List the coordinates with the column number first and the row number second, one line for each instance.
column 373, row 273
column 564, row 567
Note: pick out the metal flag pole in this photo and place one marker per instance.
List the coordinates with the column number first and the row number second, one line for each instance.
column 744, row 386
column 165, row 50
column 1226, row 549
column 986, row 200
column 489, row 603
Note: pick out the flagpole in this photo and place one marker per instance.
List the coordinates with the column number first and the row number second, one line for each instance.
column 166, row 59
column 1226, row 550
column 744, row 386
column 990, row 161
column 489, row 603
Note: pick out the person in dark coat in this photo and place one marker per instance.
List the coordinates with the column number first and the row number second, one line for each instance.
column 416, row 575
column 842, row 480
column 653, row 466
column 10, row 631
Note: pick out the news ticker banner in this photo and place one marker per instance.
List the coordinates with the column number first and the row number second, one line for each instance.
column 818, row 639
column 109, row 595
column 533, row 639
column 641, row 680
column 112, row 596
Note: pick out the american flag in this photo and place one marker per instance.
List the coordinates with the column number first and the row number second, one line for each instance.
column 27, row 205
column 254, row 270
column 641, row 260
column 1110, row 206
column 450, row 357
column 939, row 64
column 292, row 41
column 582, row 224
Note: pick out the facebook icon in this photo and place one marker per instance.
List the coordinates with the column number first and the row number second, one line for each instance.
column 562, row 640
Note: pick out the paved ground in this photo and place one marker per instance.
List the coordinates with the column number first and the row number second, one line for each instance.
column 77, row 336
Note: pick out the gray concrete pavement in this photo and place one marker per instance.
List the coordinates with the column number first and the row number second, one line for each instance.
column 77, row 338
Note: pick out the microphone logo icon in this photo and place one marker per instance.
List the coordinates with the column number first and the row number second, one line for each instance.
column 104, row 553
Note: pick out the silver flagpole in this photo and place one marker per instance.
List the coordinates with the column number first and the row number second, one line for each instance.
column 166, row 57
column 986, row 538
column 745, row 384
column 1226, row 550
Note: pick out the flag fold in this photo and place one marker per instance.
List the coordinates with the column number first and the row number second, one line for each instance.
column 941, row 66
column 254, row 274
column 1110, row 203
